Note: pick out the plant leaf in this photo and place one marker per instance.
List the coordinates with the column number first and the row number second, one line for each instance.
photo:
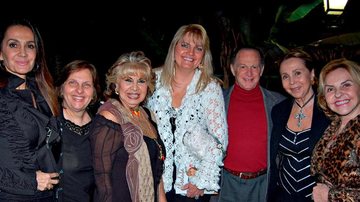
column 303, row 10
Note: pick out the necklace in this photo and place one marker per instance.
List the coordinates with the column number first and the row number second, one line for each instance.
column 135, row 111
column 146, row 127
column 300, row 116
column 161, row 154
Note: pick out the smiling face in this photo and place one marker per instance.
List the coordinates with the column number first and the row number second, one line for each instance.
column 342, row 94
column 247, row 69
column 189, row 52
column 296, row 78
column 78, row 90
column 132, row 90
column 18, row 50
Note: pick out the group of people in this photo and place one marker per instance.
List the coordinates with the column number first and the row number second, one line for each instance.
column 172, row 133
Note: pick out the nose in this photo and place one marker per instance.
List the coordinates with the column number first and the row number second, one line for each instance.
column 79, row 89
column 338, row 93
column 22, row 51
column 135, row 86
column 291, row 80
column 249, row 71
column 191, row 51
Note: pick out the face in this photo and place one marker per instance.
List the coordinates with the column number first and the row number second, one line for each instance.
column 132, row 90
column 247, row 69
column 296, row 78
column 342, row 94
column 78, row 90
column 18, row 50
column 188, row 53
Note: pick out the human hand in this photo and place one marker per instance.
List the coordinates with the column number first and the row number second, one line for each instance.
column 46, row 181
column 192, row 191
column 320, row 192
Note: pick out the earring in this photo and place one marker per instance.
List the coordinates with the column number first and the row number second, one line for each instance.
column 201, row 66
column 116, row 92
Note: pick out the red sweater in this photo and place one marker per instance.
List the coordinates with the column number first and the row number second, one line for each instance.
column 247, row 149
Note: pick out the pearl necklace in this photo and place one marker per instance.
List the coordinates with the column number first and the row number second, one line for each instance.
column 300, row 115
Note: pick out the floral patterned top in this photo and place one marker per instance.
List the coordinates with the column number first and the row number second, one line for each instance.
column 336, row 161
column 201, row 116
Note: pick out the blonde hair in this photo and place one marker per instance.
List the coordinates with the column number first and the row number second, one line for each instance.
column 198, row 34
column 354, row 70
column 133, row 63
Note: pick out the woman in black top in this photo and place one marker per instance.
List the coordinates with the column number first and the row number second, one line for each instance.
column 27, row 101
column 77, row 88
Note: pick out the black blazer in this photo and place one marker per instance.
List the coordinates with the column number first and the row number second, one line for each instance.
column 280, row 115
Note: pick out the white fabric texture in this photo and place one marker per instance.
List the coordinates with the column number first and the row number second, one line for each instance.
column 203, row 111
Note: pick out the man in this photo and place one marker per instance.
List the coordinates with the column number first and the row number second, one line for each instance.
column 248, row 107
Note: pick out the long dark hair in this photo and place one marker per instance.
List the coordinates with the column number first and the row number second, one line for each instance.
column 40, row 71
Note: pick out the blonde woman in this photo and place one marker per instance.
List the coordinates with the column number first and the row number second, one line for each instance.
column 128, row 154
column 336, row 157
column 189, row 107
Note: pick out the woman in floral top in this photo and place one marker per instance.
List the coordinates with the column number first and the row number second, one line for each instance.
column 189, row 106
column 335, row 161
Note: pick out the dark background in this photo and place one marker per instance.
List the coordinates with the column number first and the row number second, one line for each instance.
column 101, row 31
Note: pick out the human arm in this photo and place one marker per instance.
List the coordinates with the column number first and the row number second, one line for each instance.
column 161, row 192
column 324, row 193
column 105, row 141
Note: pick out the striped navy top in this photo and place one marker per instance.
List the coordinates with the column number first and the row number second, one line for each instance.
column 294, row 173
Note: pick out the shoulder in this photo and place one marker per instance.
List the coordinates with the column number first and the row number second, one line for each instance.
column 272, row 96
column 213, row 85
column 157, row 71
column 272, row 93
column 108, row 115
column 227, row 91
column 109, row 111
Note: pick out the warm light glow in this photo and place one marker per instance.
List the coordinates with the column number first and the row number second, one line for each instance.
column 334, row 7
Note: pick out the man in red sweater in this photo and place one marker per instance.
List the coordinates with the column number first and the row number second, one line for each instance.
column 248, row 107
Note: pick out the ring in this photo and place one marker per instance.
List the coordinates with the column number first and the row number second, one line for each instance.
column 196, row 197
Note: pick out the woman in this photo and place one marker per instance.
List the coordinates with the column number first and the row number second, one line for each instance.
column 336, row 157
column 189, row 105
column 77, row 88
column 298, row 124
column 128, row 155
column 27, row 101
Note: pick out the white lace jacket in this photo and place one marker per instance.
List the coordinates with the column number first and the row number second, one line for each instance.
column 204, row 111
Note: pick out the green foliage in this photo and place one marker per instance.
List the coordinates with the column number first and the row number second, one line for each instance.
column 304, row 9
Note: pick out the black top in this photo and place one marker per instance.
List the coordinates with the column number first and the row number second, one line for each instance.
column 294, row 148
column 22, row 131
column 109, row 136
column 280, row 115
column 75, row 163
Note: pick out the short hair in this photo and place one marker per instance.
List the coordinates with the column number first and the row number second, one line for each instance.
column 133, row 63
column 248, row 47
column 75, row 66
column 352, row 67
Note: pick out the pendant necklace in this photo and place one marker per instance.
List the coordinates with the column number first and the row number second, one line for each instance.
column 300, row 116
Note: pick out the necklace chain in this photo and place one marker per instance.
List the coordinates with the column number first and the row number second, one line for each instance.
column 146, row 127
column 300, row 116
